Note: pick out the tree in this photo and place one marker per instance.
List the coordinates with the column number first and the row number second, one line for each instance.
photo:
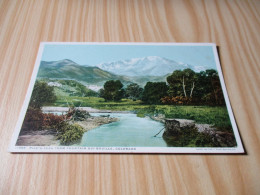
column 34, row 118
column 213, row 92
column 154, row 91
column 182, row 83
column 133, row 91
column 42, row 94
column 194, row 88
column 112, row 91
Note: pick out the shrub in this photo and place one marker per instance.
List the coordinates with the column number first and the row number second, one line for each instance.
column 69, row 134
column 204, row 140
column 42, row 94
column 190, row 137
column 153, row 92
column 113, row 90
column 34, row 120
column 186, row 137
column 177, row 100
column 52, row 121
column 77, row 114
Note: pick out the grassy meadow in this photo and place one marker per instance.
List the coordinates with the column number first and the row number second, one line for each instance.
column 217, row 115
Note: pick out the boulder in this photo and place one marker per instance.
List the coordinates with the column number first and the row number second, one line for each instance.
column 179, row 132
column 173, row 127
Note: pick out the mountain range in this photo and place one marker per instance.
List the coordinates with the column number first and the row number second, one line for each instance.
column 147, row 66
column 67, row 69
column 137, row 70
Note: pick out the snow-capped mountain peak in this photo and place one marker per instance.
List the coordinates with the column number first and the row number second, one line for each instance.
column 146, row 66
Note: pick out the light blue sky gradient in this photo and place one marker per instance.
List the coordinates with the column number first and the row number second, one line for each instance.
column 96, row 54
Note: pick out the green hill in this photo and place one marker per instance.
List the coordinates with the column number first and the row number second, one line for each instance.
column 69, row 88
column 67, row 69
column 88, row 75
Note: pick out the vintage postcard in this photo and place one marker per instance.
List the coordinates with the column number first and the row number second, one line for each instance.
column 127, row 98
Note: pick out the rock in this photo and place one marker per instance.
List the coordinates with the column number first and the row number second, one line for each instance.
column 178, row 131
column 173, row 127
column 205, row 128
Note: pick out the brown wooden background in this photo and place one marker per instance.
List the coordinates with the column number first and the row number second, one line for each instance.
column 233, row 25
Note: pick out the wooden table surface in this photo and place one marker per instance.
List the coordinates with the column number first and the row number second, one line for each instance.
column 233, row 25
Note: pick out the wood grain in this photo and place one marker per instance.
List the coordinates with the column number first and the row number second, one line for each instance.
column 233, row 25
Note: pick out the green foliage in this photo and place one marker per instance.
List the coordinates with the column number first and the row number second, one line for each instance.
column 209, row 88
column 153, row 92
column 181, row 82
column 217, row 115
column 70, row 134
column 42, row 94
column 204, row 140
column 74, row 88
column 69, row 88
column 202, row 88
column 35, row 120
column 146, row 111
column 112, row 91
column 186, row 137
column 74, row 71
column 190, row 137
column 133, row 92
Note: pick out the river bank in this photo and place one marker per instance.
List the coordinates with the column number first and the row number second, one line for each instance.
column 38, row 138
column 129, row 131
column 95, row 121
column 48, row 137
column 187, row 122
column 47, row 109
column 182, row 129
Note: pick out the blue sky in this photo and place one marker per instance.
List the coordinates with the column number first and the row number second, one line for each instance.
column 96, row 54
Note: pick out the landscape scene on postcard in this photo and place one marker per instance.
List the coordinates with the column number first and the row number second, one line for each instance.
column 135, row 100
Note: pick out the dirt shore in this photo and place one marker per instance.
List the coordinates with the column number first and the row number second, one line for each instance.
column 49, row 138
column 88, row 109
column 93, row 122
column 38, row 138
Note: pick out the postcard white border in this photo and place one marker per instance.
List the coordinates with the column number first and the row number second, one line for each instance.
column 80, row 149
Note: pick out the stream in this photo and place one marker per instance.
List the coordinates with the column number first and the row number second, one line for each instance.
column 129, row 131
